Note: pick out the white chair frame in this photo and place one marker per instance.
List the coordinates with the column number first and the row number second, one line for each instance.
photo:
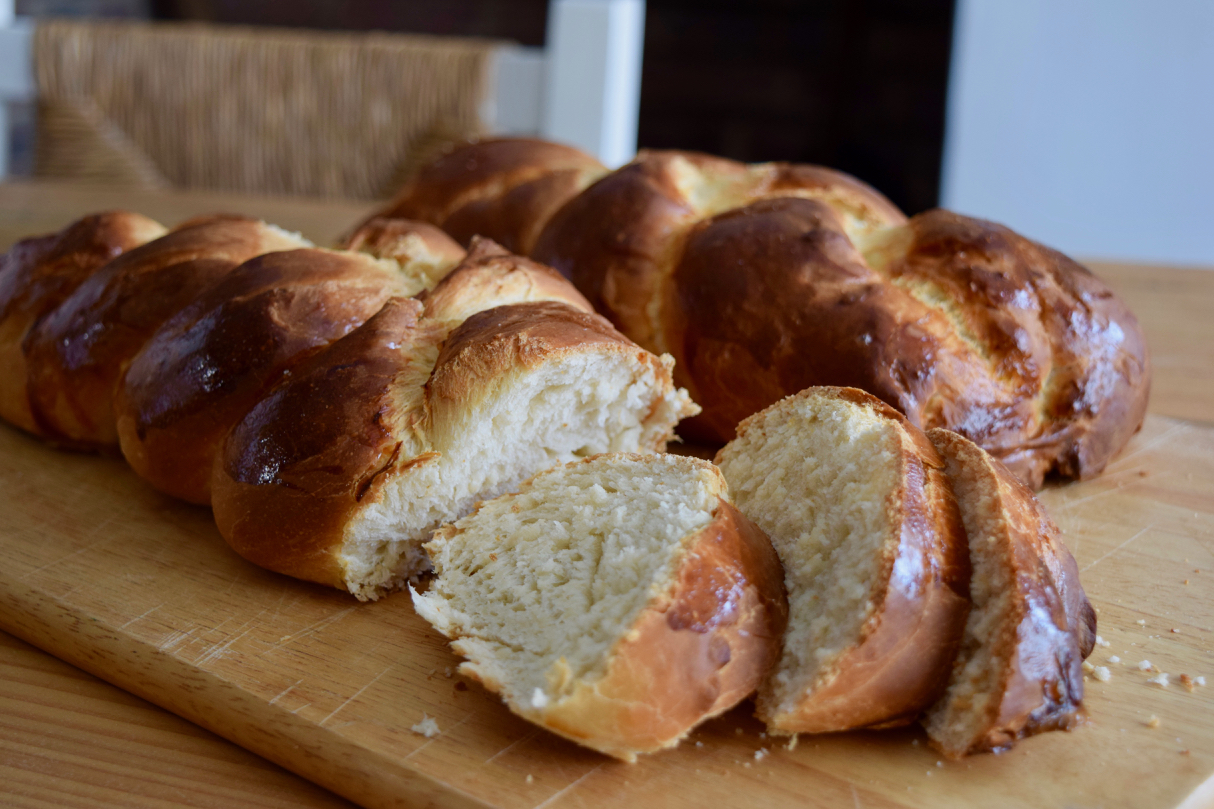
column 583, row 88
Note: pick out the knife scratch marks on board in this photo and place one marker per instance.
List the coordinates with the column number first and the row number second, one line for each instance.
column 311, row 629
column 568, row 788
column 174, row 639
column 220, row 650
column 355, row 695
column 286, row 691
column 1154, row 442
column 91, row 533
column 282, row 598
column 141, row 616
column 1100, row 559
column 237, row 579
column 1069, row 504
column 524, row 738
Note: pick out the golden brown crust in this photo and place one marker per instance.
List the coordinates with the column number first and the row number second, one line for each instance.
column 615, row 238
column 838, row 322
column 322, row 444
column 78, row 353
column 295, row 469
column 866, row 207
column 691, row 655
column 38, row 274
column 492, row 276
column 1069, row 352
column 900, row 663
column 517, row 216
column 522, row 336
column 736, row 270
column 406, row 242
column 503, row 189
column 1050, row 628
column 209, row 364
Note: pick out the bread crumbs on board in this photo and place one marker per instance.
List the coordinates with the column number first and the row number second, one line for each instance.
column 427, row 727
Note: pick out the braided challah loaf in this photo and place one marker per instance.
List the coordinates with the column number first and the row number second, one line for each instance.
column 764, row 280
column 921, row 576
column 37, row 275
column 78, row 352
column 213, row 360
column 342, row 472
column 333, row 406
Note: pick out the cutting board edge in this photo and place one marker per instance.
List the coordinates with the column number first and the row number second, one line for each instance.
column 199, row 696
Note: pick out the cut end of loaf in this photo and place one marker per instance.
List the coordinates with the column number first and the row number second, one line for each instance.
column 570, row 598
column 502, row 433
column 819, row 474
column 550, row 578
column 1017, row 672
column 971, row 704
column 874, row 559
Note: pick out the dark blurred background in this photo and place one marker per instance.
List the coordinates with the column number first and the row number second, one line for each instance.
column 858, row 86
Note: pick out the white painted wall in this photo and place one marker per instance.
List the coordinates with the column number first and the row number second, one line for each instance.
column 1086, row 124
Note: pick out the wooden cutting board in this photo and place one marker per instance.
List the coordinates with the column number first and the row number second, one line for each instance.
column 100, row 570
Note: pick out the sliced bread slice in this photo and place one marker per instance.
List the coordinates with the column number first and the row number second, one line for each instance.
column 856, row 503
column 617, row 601
column 1019, row 671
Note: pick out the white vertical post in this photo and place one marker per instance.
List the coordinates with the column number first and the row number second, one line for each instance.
column 8, row 10
column 594, row 75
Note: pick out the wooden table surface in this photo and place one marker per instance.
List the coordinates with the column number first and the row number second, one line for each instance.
column 68, row 738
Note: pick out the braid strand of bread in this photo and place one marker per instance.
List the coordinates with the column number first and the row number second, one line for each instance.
column 766, row 279
column 332, row 406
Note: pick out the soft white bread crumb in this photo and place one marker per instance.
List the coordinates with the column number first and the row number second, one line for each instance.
column 565, row 598
column 838, row 480
column 427, row 727
column 571, row 407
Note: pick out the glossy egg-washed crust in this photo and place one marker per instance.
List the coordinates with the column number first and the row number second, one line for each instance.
column 764, row 280
column 39, row 274
column 900, row 662
column 1051, row 628
column 208, row 365
column 298, row 465
column 694, row 652
column 502, row 189
column 78, row 352
column 368, row 408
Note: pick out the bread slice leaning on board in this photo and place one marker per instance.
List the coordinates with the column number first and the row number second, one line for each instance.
column 887, row 538
column 617, row 601
column 333, row 406
column 734, row 269
column 856, row 502
column 1019, row 671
